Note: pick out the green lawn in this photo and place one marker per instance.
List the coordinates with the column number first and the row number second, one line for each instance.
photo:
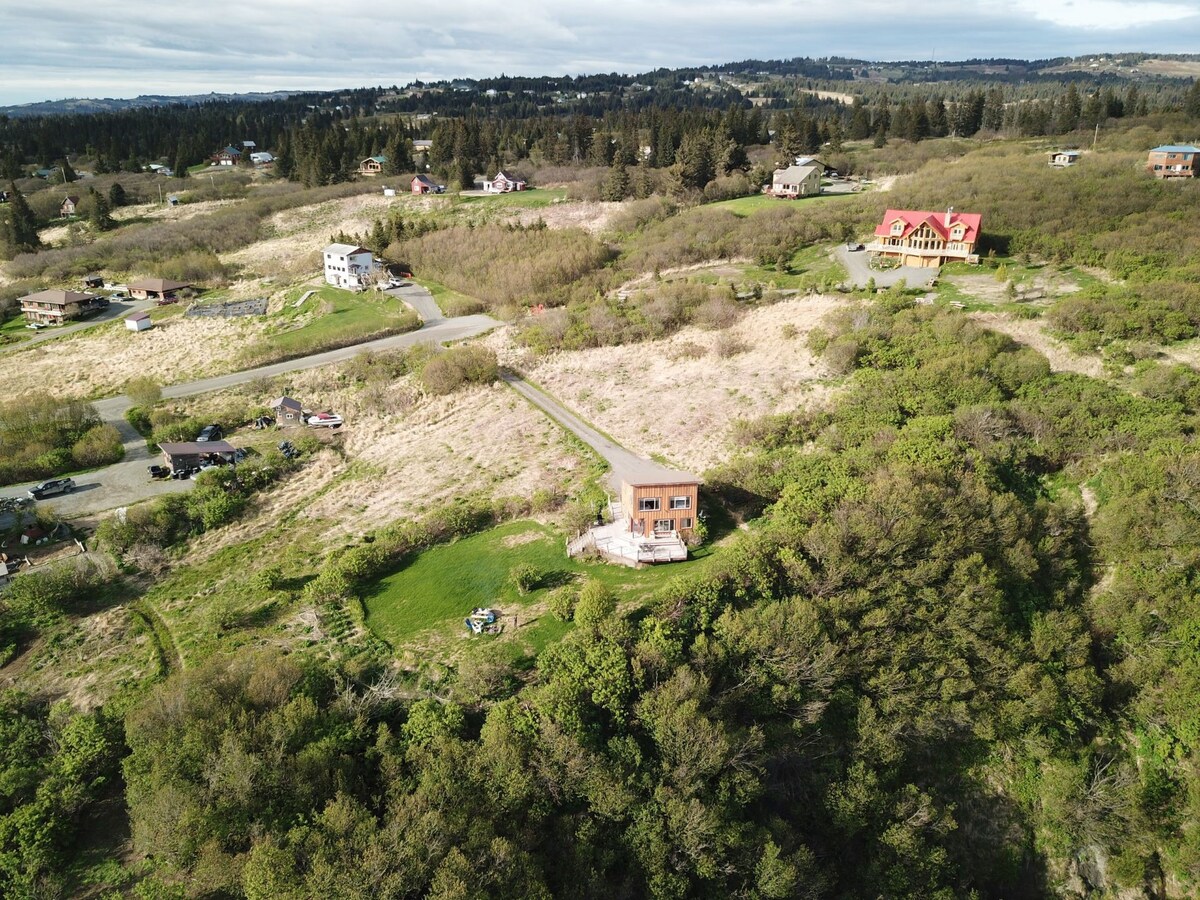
column 530, row 199
column 451, row 302
column 442, row 585
column 13, row 330
column 747, row 206
column 330, row 318
column 808, row 267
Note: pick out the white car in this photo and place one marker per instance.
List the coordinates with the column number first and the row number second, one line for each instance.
column 36, row 326
column 325, row 420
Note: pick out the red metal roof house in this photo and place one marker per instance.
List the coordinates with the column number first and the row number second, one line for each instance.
column 927, row 239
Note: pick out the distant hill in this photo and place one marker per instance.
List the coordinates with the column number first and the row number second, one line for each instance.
column 86, row 105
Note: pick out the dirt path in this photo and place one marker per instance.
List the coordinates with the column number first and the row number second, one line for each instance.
column 1031, row 333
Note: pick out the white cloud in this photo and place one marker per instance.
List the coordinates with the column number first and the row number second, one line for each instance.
column 129, row 47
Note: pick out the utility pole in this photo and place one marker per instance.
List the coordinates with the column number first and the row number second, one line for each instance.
column 1097, row 136
column 160, row 193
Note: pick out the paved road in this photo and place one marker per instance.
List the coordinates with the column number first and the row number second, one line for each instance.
column 625, row 465
column 421, row 301
column 116, row 309
column 127, row 482
column 860, row 273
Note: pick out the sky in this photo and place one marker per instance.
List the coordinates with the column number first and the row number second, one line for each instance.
column 54, row 49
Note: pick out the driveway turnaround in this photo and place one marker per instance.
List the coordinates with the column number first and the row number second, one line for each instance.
column 860, row 273
column 128, row 481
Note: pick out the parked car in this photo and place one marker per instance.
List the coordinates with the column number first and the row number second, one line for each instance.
column 52, row 487
column 210, row 433
column 325, row 420
column 397, row 283
column 36, row 326
column 159, row 471
column 854, row 247
column 165, row 301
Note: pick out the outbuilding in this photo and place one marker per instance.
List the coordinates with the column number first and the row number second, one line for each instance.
column 161, row 290
column 287, row 412
column 191, row 454
column 139, row 321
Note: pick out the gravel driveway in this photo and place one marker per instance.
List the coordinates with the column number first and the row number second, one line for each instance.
column 860, row 272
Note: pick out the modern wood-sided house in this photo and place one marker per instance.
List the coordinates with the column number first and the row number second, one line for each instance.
column 57, row 307
column 797, row 181
column 1064, row 158
column 288, row 412
column 230, row 156
column 160, row 290
column 69, row 206
column 372, row 165
column 1173, row 161
column 659, row 503
column 503, row 183
column 347, row 266
column 927, row 239
column 423, row 184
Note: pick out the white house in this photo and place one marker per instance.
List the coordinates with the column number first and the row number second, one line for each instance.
column 139, row 321
column 348, row 266
column 503, row 183
column 1064, row 158
column 797, row 181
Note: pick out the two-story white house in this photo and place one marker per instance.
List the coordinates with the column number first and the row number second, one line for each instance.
column 347, row 266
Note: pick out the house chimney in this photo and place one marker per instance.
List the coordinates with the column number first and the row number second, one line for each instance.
column 949, row 212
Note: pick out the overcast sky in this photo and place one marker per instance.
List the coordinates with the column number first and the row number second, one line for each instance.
column 54, row 49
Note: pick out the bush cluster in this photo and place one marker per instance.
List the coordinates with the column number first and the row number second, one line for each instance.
column 41, row 437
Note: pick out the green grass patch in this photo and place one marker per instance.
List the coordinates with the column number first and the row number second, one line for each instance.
column 451, row 302
column 808, row 267
column 13, row 330
column 529, row 199
column 329, row 319
column 748, row 206
column 441, row 586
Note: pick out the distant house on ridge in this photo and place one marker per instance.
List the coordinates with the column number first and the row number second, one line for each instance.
column 230, row 156
column 797, row 181
column 1173, row 161
column 372, row 165
column 503, row 183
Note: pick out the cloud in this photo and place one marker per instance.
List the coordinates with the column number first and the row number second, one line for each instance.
column 130, row 47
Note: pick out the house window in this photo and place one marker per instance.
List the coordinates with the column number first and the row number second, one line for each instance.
column 681, row 503
column 649, row 504
column 664, row 524
column 897, row 227
column 685, row 523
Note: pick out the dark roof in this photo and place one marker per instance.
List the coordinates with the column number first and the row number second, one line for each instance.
column 426, row 180
column 157, row 285
column 72, row 197
column 508, row 176
column 192, row 448
column 645, row 472
column 286, row 402
column 59, row 298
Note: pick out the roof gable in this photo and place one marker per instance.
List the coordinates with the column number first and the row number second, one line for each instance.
column 344, row 250
column 914, row 219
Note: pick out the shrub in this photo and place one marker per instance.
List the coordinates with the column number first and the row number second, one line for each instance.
column 98, row 447
column 143, row 390
column 562, row 603
column 595, row 604
column 525, row 578
column 459, row 366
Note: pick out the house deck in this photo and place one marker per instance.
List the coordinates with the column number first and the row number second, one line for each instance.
column 615, row 542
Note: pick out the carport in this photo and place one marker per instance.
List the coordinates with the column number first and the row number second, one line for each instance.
column 190, row 454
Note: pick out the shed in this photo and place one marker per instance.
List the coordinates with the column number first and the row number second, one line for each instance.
column 287, row 411
column 139, row 321
column 189, row 454
column 93, row 281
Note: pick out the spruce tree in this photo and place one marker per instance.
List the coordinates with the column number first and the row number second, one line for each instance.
column 99, row 216
column 616, row 185
column 116, row 195
column 20, row 232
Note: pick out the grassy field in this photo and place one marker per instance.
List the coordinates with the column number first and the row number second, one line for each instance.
column 530, row 199
column 328, row 319
column 748, row 206
column 451, row 302
column 808, row 267
column 13, row 330
column 441, row 586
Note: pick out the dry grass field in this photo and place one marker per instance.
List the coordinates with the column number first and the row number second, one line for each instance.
column 677, row 398
column 102, row 359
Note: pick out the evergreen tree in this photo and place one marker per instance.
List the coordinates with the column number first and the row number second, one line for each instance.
column 860, row 120
column 116, row 195
column 616, row 185
column 20, row 231
column 993, row 110
column 1191, row 104
column 68, row 174
column 285, row 160
column 100, row 213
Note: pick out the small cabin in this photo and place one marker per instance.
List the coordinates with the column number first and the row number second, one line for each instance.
column 288, row 412
column 139, row 321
